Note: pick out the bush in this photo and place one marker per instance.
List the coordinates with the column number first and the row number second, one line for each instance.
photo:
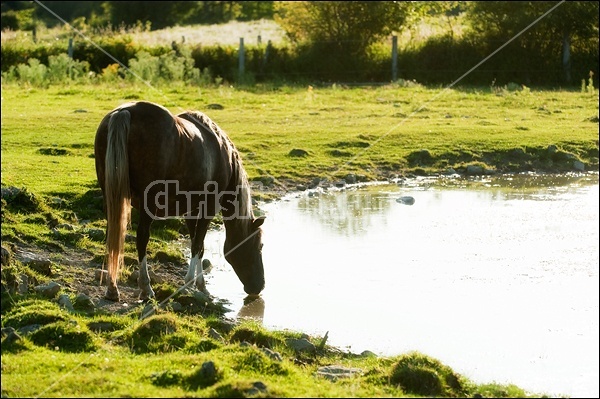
column 61, row 68
column 438, row 60
column 33, row 72
column 165, row 68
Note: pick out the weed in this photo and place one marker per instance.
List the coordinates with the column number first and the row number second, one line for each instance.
column 588, row 87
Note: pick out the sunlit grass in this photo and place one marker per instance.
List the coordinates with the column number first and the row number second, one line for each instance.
column 372, row 129
column 165, row 356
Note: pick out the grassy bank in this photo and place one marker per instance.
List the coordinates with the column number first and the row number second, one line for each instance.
column 288, row 136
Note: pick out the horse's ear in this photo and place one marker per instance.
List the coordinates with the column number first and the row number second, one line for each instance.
column 256, row 223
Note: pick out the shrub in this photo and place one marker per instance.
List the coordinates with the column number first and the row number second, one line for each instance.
column 33, row 72
column 61, row 67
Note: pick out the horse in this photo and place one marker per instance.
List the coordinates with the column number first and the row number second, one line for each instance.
column 174, row 166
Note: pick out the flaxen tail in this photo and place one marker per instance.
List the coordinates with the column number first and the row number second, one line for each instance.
column 117, row 191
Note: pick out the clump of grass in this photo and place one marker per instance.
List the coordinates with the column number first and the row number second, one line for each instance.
column 167, row 378
column 251, row 358
column 54, row 151
column 419, row 374
column 207, row 375
column 13, row 274
column 253, row 333
column 204, row 345
column 162, row 333
column 501, row 391
column 21, row 200
column 33, row 311
column 164, row 291
column 67, row 336
column 109, row 323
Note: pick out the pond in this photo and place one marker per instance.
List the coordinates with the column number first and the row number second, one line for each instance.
column 495, row 277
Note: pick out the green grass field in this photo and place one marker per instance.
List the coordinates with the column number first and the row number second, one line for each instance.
column 47, row 135
column 372, row 132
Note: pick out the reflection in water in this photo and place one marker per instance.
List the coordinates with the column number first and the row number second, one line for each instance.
column 254, row 308
column 496, row 277
column 348, row 214
column 353, row 212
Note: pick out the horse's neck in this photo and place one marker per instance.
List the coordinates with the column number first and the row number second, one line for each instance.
column 236, row 205
column 236, row 229
column 237, row 210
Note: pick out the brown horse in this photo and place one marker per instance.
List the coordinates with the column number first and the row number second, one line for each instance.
column 165, row 166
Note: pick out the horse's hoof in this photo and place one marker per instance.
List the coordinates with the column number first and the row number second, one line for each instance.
column 112, row 295
column 145, row 295
column 206, row 265
column 201, row 287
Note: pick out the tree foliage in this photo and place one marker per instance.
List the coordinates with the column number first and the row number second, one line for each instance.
column 502, row 20
column 348, row 40
column 339, row 23
column 157, row 14
column 571, row 25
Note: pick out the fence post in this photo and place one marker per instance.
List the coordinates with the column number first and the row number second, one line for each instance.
column 267, row 52
column 241, row 58
column 394, row 58
column 70, row 49
column 70, row 54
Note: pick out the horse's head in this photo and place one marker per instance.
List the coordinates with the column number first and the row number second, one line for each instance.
column 243, row 251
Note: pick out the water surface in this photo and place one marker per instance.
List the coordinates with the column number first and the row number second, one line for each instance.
column 497, row 278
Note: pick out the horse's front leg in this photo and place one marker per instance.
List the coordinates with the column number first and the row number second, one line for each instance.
column 143, row 236
column 195, row 274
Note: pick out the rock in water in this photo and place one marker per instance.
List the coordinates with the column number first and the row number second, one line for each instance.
column 206, row 265
column 406, row 200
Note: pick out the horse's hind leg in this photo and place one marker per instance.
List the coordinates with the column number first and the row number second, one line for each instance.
column 197, row 229
column 143, row 236
column 112, row 291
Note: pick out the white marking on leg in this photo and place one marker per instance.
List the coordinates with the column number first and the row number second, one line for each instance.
column 200, row 277
column 144, row 268
column 144, row 280
column 191, row 273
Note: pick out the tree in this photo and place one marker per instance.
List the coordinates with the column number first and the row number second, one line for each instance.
column 67, row 10
column 160, row 14
column 340, row 23
column 572, row 23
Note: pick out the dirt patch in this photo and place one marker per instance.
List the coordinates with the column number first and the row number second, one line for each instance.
column 78, row 272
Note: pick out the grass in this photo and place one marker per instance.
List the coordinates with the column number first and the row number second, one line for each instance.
column 371, row 131
column 166, row 355
column 292, row 134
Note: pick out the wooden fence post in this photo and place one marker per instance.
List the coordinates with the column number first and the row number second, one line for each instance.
column 394, row 58
column 70, row 49
column 241, row 58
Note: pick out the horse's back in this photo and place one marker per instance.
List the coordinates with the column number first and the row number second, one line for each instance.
column 151, row 130
column 165, row 147
column 146, row 118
